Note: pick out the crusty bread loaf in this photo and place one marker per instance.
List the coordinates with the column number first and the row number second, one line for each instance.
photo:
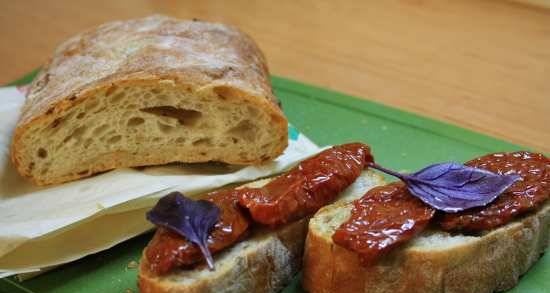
column 265, row 262
column 434, row 261
column 148, row 91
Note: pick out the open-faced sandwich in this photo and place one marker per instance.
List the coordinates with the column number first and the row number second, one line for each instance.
column 447, row 228
column 250, row 238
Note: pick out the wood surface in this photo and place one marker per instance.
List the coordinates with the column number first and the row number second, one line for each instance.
column 483, row 65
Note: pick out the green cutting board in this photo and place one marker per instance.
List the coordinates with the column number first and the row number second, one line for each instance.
column 400, row 140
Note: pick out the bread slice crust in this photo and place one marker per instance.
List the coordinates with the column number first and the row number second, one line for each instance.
column 434, row 261
column 264, row 262
column 189, row 63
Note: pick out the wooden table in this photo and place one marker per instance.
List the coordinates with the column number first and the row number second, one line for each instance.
column 484, row 65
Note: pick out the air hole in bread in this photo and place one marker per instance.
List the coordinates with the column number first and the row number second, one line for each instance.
column 202, row 142
column 58, row 146
column 91, row 105
column 135, row 121
column 234, row 140
column 253, row 111
column 114, row 139
column 56, row 123
column 77, row 133
column 184, row 116
column 127, row 114
column 100, row 129
column 163, row 98
column 80, row 131
column 245, row 130
column 118, row 97
column 204, row 125
column 42, row 153
column 44, row 171
column 88, row 142
column 156, row 91
column 164, row 128
column 100, row 110
column 80, row 115
column 225, row 92
column 31, row 166
column 180, row 140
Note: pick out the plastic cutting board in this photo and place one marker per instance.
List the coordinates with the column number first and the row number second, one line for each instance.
column 399, row 139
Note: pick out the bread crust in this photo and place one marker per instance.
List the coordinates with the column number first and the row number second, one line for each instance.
column 487, row 263
column 195, row 56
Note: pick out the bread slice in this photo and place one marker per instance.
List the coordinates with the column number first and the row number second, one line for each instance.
column 434, row 261
column 264, row 262
column 148, row 91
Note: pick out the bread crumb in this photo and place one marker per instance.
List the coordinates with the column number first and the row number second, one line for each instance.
column 129, row 291
column 132, row 265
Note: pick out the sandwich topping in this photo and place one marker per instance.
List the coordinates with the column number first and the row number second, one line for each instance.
column 523, row 196
column 169, row 250
column 383, row 218
column 308, row 187
column 300, row 192
column 388, row 216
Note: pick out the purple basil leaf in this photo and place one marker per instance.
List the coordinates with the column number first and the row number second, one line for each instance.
column 452, row 187
column 191, row 219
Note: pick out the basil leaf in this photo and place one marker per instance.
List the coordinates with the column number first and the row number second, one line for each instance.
column 453, row 187
column 191, row 219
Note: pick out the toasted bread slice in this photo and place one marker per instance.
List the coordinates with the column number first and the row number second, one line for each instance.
column 434, row 261
column 264, row 262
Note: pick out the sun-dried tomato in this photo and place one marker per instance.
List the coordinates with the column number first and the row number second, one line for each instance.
column 523, row 196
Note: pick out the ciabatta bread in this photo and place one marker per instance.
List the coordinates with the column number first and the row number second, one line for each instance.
column 432, row 262
column 263, row 263
column 148, row 91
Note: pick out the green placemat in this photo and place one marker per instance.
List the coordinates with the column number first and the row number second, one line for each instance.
column 399, row 139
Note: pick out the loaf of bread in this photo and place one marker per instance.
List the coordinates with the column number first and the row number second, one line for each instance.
column 148, row 91
column 433, row 262
column 265, row 262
